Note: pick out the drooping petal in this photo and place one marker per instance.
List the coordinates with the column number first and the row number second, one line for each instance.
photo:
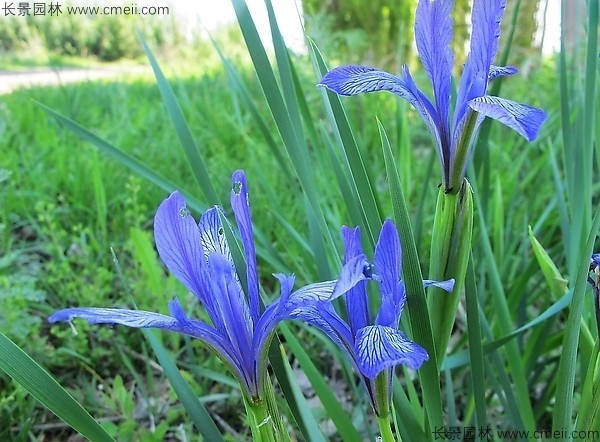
column 433, row 36
column 447, row 285
column 178, row 241
column 524, row 119
column 234, row 314
column 130, row 318
column 379, row 347
column 501, row 71
column 355, row 79
column 142, row 319
column 241, row 209
column 327, row 320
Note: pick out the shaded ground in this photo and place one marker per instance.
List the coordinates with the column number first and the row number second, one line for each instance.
column 10, row 80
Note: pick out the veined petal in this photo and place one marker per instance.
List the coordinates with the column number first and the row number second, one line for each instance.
column 357, row 303
column 354, row 271
column 130, row 318
column 178, row 241
column 486, row 16
column 241, row 209
column 355, row 79
column 388, row 258
column 524, row 119
column 433, row 35
column 212, row 235
column 327, row 320
column 391, row 307
column 352, row 246
column 234, row 316
column 319, row 292
column 379, row 347
column 501, row 71
column 144, row 319
column 447, row 285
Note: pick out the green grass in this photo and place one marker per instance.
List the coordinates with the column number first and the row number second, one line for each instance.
column 65, row 206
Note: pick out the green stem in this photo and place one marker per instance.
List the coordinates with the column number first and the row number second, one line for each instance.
column 385, row 427
column 264, row 418
column 382, row 406
column 450, row 249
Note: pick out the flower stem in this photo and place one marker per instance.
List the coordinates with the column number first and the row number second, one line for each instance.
column 264, row 418
column 450, row 249
column 385, row 427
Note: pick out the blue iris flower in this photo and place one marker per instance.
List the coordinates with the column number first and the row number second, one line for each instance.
column 433, row 35
column 372, row 345
column 199, row 256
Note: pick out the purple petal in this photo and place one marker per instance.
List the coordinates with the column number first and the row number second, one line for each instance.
column 143, row 319
column 391, row 307
column 241, row 209
column 232, row 309
column 501, row 71
column 212, row 235
column 379, row 347
column 433, row 35
column 388, row 258
column 486, row 17
column 352, row 246
column 178, row 242
column 447, row 285
column 311, row 294
column 354, row 80
column 357, row 307
column 357, row 303
column 130, row 318
column 524, row 119
column 327, row 320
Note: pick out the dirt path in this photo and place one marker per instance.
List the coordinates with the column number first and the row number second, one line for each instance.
column 9, row 81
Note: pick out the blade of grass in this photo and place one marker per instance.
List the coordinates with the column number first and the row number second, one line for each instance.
column 417, row 305
column 43, row 387
column 334, row 410
column 562, row 417
column 122, row 157
column 182, row 129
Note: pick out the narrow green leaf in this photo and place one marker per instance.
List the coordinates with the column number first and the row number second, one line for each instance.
column 33, row 378
column 196, row 411
column 417, row 305
column 563, row 411
column 183, row 131
column 122, row 157
column 334, row 410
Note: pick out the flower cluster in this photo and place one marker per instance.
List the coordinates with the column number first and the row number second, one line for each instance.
column 433, row 35
column 200, row 257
